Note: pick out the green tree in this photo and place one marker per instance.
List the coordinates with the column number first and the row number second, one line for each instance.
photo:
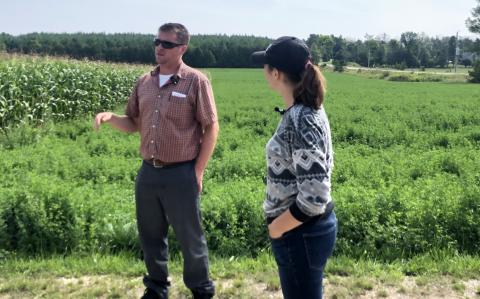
column 466, row 62
column 371, row 47
column 473, row 23
column 326, row 47
column 321, row 47
column 208, row 58
column 380, row 54
column 424, row 57
column 452, row 41
column 439, row 50
column 316, row 54
column 475, row 73
column 396, row 53
column 411, row 42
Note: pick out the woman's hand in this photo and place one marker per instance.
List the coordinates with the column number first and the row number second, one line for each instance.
column 273, row 231
column 282, row 224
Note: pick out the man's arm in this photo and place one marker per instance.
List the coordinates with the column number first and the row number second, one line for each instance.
column 206, row 150
column 119, row 122
column 125, row 123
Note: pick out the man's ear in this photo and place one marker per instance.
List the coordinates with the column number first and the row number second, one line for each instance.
column 184, row 48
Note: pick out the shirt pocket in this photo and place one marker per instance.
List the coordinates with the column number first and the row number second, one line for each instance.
column 180, row 110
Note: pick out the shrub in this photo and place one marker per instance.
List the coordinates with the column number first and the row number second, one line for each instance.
column 384, row 74
column 338, row 65
column 474, row 75
column 400, row 66
column 403, row 78
column 37, row 223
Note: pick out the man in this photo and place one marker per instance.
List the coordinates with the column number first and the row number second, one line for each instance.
column 174, row 110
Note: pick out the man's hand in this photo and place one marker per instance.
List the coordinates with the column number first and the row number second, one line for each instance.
column 101, row 117
column 206, row 149
column 199, row 176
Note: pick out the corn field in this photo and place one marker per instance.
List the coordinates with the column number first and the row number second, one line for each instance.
column 33, row 90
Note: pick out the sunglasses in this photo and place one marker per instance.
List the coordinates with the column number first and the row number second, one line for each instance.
column 165, row 44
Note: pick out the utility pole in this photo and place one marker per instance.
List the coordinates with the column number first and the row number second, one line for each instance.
column 368, row 38
column 368, row 59
column 457, row 52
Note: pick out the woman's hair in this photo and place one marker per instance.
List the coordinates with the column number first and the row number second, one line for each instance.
column 310, row 86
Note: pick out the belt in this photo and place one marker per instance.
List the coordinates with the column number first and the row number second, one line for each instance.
column 328, row 211
column 160, row 164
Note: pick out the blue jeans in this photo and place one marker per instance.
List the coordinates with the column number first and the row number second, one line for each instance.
column 301, row 255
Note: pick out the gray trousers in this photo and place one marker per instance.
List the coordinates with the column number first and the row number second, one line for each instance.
column 169, row 196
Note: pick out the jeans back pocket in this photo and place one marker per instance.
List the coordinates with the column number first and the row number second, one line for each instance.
column 319, row 246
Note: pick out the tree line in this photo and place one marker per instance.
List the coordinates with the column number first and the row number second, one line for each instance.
column 411, row 50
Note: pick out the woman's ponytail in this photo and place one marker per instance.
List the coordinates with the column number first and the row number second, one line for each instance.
column 311, row 89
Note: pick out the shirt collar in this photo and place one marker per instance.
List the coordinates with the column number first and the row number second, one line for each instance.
column 180, row 73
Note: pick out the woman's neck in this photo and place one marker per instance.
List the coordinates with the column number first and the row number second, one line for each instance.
column 287, row 95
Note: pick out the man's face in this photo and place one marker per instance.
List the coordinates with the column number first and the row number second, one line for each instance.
column 166, row 56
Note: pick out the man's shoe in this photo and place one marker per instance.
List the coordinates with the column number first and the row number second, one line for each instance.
column 151, row 294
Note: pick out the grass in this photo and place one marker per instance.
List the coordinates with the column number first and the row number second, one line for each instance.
column 382, row 294
column 119, row 276
column 459, row 287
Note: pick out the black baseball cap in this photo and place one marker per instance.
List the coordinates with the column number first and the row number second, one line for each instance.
column 287, row 53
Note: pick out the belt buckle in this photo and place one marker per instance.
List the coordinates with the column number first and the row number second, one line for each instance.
column 157, row 165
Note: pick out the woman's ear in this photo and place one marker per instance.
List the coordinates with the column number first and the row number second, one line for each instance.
column 275, row 74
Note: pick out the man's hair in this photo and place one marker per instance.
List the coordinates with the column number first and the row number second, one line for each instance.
column 183, row 37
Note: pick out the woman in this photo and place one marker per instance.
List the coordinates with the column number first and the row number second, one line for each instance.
column 298, row 207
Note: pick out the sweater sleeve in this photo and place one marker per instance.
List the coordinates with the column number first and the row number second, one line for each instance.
column 309, row 154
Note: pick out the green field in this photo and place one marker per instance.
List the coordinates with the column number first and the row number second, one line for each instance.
column 406, row 181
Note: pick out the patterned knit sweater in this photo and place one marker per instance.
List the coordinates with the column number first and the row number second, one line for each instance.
column 300, row 162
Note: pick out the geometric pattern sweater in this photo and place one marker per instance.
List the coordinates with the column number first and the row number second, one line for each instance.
column 299, row 163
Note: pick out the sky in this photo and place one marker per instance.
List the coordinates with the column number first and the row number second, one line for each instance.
column 270, row 18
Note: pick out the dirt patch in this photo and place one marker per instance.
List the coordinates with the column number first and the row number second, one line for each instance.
column 336, row 287
column 408, row 288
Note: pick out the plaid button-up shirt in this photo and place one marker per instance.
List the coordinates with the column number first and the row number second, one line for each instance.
column 171, row 118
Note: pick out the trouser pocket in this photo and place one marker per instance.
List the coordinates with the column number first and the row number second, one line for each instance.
column 319, row 246
column 281, row 252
